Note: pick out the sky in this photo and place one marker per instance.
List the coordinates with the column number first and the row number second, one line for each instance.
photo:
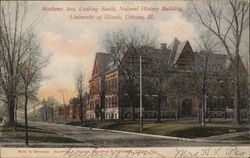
column 73, row 44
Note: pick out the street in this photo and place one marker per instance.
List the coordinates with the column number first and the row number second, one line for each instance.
column 104, row 138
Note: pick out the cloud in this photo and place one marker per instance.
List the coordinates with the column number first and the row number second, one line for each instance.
column 81, row 46
column 177, row 26
column 68, row 56
column 52, row 89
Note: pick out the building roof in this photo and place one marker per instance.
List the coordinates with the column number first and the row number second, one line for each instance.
column 173, row 47
column 101, row 62
column 179, row 50
column 216, row 63
column 171, row 54
column 103, row 58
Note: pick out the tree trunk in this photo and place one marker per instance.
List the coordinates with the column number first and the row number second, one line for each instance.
column 203, row 110
column 11, row 111
column 133, row 112
column 236, row 119
column 81, row 106
column 159, row 109
column 46, row 114
column 210, row 114
column 122, row 113
column 26, row 121
column 177, row 112
column 15, row 126
column 52, row 113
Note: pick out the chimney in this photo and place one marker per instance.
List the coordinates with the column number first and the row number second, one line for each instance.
column 163, row 46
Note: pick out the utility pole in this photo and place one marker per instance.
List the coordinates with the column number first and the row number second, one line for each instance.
column 248, row 113
column 65, row 117
column 146, row 61
column 141, row 123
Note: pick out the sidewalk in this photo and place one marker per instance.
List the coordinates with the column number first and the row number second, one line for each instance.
column 217, row 138
column 1, row 134
column 210, row 139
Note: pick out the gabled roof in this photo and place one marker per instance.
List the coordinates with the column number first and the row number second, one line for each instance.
column 101, row 60
column 179, row 50
column 173, row 47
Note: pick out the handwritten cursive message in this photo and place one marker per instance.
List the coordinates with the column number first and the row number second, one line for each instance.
column 208, row 151
column 162, row 152
column 113, row 153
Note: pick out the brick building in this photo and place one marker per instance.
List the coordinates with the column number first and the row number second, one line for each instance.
column 72, row 109
column 107, row 100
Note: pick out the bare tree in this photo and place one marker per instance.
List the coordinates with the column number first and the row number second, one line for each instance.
column 30, row 72
column 44, row 110
column 204, row 68
column 180, row 86
column 50, row 103
column 158, row 83
column 227, row 21
column 64, row 104
column 15, row 41
column 79, row 84
column 125, row 47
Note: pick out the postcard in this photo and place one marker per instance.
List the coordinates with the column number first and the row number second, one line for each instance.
column 144, row 79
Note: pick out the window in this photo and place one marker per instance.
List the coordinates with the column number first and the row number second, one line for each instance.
column 232, row 83
column 113, row 101
column 215, row 102
column 222, row 83
column 106, row 102
column 222, row 102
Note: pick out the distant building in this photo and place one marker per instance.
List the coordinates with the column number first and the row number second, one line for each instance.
column 73, row 109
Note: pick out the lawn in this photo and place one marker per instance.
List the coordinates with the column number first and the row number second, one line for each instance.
column 56, row 120
column 182, row 129
column 240, row 138
column 35, row 134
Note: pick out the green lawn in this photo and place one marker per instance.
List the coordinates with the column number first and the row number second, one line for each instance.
column 56, row 120
column 35, row 134
column 239, row 138
column 185, row 130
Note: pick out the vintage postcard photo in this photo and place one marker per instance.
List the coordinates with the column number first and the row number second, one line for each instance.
column 106, row 79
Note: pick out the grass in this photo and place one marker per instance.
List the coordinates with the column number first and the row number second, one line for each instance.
column 35, row 134
column 239, row 138
column 183, row 129
column 56, row 120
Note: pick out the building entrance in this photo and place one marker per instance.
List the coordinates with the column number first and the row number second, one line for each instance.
column 186, row 107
